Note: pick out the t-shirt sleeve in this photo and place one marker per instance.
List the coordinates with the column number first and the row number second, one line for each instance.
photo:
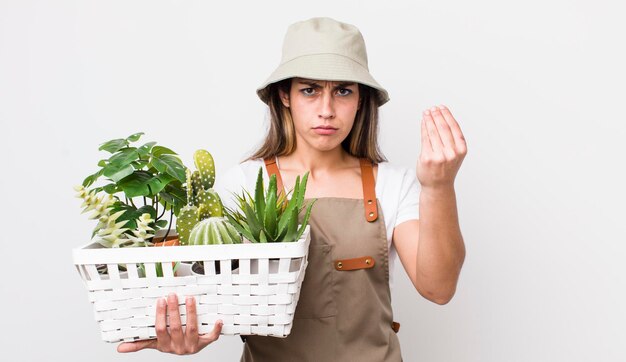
column 408, row 207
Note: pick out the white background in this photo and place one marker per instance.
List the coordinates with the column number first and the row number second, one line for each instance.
column 537, row 86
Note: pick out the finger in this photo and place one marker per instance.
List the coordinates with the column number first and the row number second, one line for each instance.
column 433, row 135
column 160, row 325
column 136, row 346
column 208, row 338
column 443, row 128
column 191, row 329
column 459, row 139
column 426, row 146
column 176, row 329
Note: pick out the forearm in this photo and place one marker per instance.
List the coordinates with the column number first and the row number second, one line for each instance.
column 441, row 250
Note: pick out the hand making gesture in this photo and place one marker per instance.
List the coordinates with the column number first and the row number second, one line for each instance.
column 443, row 149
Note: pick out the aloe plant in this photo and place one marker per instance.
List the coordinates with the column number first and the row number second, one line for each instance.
column 269, row 216
column 202, row 221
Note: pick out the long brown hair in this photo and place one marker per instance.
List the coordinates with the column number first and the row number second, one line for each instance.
column 362, row 141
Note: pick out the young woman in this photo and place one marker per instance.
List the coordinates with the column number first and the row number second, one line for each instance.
column 324, row 119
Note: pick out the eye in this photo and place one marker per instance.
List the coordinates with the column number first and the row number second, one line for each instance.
column 344, row 91
column 307, row 91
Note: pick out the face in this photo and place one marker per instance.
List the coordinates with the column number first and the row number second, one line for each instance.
column 323, row 112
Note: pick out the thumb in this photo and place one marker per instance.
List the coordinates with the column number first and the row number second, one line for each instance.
column 136, row 346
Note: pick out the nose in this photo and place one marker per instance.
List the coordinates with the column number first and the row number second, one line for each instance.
column 327, row 110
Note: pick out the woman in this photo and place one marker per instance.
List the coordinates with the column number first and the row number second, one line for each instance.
column 324, row 119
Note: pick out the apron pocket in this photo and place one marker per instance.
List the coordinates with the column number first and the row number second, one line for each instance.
column 316, row 294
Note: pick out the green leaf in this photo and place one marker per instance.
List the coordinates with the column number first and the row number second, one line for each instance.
column 245, row 232
column 292, row 228
column 128, row 215
column 175, row 196
column 113, row 146
column 116, row 173
column 146, row 209
column 124, row 157
column 140, row 164
column 89, row 180
column 111, row 189
column 302, row 189
column 305, row 221
column 169, row 164
column 282, row 223
column 145, row 149
column 254, row 224
column 161, row 223
column 160, row 150
column 271, row 189
column 102, row 163
column 136, row 184
column 270, row 216
column 134, row 137
column 259, row 197
column 158, row 183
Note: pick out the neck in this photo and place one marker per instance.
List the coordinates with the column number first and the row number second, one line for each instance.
column 315, row 160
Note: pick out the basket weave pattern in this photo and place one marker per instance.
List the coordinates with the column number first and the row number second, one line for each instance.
column 259, row 297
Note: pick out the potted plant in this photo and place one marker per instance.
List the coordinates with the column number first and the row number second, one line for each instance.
column 151, row 173
column 202, row 221
column 271, row 217
column 123, row 305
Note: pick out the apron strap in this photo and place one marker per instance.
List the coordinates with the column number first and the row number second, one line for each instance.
column 369, row 190
column 367, row 177
column 272, row 169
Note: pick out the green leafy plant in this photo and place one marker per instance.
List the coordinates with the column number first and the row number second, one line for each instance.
column 202, row 221
column 271, row 217
column 152, row 173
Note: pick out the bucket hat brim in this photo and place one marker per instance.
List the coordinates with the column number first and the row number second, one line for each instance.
column 326, row 66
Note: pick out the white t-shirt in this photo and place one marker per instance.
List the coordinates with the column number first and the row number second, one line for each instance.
column 397, row 189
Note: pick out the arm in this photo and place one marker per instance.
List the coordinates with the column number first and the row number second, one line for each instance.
column 431, row 249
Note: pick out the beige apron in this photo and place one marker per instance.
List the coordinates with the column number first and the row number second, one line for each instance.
column 344, row 311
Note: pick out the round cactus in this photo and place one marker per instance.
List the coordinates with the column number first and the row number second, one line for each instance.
column 214, row 230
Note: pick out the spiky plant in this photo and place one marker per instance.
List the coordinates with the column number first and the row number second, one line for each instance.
column 110, row 232
column 271, row 217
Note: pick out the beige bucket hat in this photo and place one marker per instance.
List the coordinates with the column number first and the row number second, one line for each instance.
column 324, row 49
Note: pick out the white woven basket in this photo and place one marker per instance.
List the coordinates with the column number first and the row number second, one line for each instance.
column 259, row 297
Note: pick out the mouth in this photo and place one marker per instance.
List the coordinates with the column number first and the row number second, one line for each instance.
column 325, row 130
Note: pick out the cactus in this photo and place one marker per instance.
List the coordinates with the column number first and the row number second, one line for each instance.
column 214, row 230
column 203, row 204
column 206, row 167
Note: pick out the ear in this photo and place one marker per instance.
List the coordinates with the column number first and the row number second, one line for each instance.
column 284, row 97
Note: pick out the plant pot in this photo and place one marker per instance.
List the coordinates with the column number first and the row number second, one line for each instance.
column 197, row 268
column 184, row 269
column 104, row 275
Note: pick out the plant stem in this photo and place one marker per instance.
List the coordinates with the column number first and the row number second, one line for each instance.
column 164, row 209
column 169, row 225
column 132, row 203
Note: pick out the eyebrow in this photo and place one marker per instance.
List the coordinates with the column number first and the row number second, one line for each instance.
column 314, row 84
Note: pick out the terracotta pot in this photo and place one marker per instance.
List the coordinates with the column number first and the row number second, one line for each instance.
column 171, row 240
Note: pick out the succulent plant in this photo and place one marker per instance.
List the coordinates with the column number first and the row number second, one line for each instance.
column 271, row 217
column 110, row 232
column 202, row 220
